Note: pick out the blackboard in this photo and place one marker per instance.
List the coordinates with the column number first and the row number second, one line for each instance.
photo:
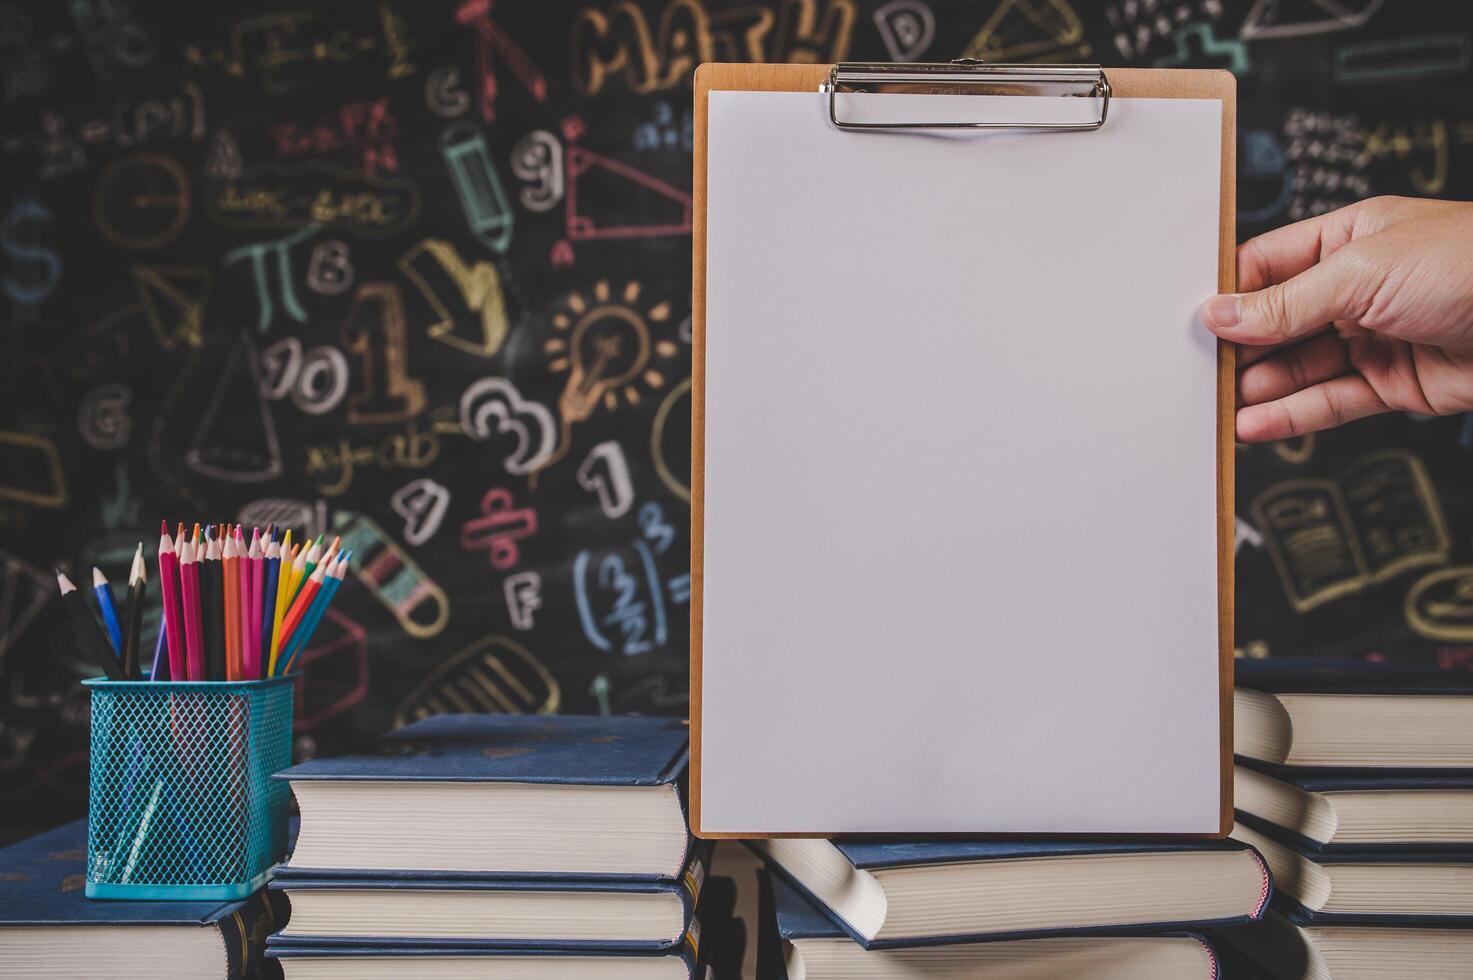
column 419, row 274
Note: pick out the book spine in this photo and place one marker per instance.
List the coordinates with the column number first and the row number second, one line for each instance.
column 244, row 931
column 691, row 882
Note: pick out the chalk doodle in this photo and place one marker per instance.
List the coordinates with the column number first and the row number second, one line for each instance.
column 1424, row 145
column 173, row 299
column 24, row 591
column 492, row 43
column 334, row 669
column 102, row 416
column 494, row 674
column 487, row 210
column 652, row 524
column 1263, row 176
column 1439, row 605
column 223, row 161
column 607, row 345
column 311, row 518
column 1030, row 30
column 33, row 269
column 493, row 406
column 127, row 123
column 670, row 441
column 291, row 196
column 1140, row 26
column 443, row 93
column 330, row 272
column 1327, row 159
column 316, row 379
column 375, row 331
column 285, row 51
column 499, row 529
column 422, row 503
column 141, row 201
column 1330, row 538
column 907, row 27
column 333, row 465
column 523, row 592
column 1197, row 45
column 221, row 447
column 620, row 598
column 665, row 132
column 1402, row 59
column 478, row 286
column 1245, row 533
column 537, row 158
column 30, row 470
column 605, row 472
column 393, row 578
column 1274, row 19
column 280, row 250
column 366, row 127
column 619, row 201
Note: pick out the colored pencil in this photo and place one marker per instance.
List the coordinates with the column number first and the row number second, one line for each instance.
column 137, row 595
column 212, row 603
column 91, row 633
column 268, row 600
column 160, row 669
column 169, row 588
column 283, row 592
column 300, row 605
column 230, row 589
column 194, row 651
column 331, row 583
column 243, row 615
column 251, row 660
column 309, row 565
column 298, row 575
column 109, row 608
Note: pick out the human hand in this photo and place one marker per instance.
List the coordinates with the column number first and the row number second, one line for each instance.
column 1363, row 310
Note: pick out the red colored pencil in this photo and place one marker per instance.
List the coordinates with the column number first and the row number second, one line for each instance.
column 194, row 645
column 229, row 560
column 169, row 589
column 302, row 603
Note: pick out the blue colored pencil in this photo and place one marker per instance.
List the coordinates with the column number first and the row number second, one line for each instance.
column 332, row 582
column 109, row 610
column 160, row 658
column 268, row 600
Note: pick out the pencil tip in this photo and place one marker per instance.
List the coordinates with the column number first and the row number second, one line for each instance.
column 97, row 577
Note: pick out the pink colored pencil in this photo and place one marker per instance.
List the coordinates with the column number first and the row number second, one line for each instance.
column 169, row 589
column 257, row 565
column 193, row 623
column 243, row 622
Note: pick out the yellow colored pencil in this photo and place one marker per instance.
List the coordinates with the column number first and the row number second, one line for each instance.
column 293, row 569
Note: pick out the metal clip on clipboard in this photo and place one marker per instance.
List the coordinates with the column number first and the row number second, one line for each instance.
column 1088, row 81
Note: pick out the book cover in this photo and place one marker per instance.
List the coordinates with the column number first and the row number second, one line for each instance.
column 557, row 749
column 874, row 855
column 688, row 887
column 41, row 884
column 1290, row 675
column 1359, row 853
column 1312, row 779
column 1296, row 913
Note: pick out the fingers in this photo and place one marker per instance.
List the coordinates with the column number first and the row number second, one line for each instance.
column 1321, row 406
column 1292, row 369
column 1284, row 253
column 1298, row 307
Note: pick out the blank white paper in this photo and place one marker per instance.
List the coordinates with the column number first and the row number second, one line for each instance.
column 960, row 451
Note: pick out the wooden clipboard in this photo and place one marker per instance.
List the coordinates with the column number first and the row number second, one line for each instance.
column 1125, row 83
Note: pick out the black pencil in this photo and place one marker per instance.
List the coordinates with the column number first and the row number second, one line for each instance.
column 133, row 625
column 212, row 599
column 91, row 633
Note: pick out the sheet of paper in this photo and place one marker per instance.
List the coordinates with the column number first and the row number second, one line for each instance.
column 960, row 527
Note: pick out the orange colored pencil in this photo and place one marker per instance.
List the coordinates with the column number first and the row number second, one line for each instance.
column 301, row 604
column 232, row 609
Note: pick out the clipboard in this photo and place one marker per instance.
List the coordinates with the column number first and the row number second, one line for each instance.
column 1103, row 87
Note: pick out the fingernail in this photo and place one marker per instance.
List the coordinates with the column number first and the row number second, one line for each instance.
column 1223, row 312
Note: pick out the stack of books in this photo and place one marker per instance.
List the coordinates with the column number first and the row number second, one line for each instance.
column 49, row 928
column 1003, row 910
column 1355, row 782
column 554, row 846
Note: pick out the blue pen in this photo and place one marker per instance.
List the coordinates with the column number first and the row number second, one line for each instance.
column 109, row 611
column 315, row 614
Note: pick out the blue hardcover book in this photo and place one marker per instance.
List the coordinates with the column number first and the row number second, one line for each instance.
column 500, row 795
column 888, row 894
column 1361, row 884
column 1289, row 945
column 470, row 914
column 49, row 928
column 803, row 941
column 1352, row 714
column 1334, row 809
column 366, row 962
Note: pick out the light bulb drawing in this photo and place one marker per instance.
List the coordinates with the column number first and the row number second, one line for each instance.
column 609, row 344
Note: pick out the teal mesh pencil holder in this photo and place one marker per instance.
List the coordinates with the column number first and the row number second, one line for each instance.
column 181, row 803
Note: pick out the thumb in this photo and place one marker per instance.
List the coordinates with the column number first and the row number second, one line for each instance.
column 1291, row 309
